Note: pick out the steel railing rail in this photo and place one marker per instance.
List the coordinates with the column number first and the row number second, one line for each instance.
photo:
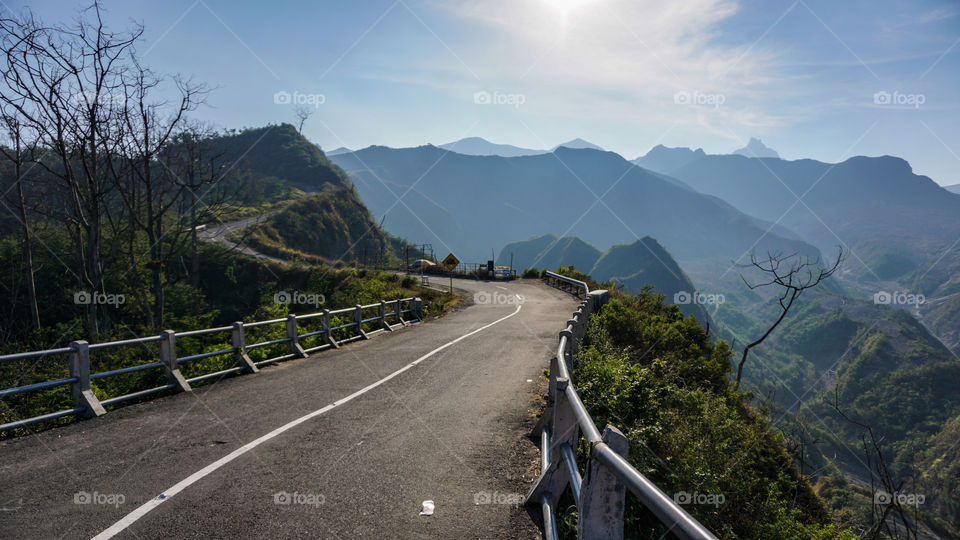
column 86, row 404
column 600, row 492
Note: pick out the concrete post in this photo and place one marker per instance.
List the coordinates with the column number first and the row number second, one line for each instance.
column 240, row 348
column 168, row 355
column 602, row 496
column 383, row 317
column 83, row 397
column 294, row 337
column 418, row 308
column 327, row 334
column 399, row 309
column 358, row 317
column 564, row 429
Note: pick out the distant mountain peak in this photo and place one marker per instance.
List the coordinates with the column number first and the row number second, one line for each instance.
column 756, row 148
column 341, row 150
column 665, row 160
column 478, row 146
column 953, row 189
column 577, row 144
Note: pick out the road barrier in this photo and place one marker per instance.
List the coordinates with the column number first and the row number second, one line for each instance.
column 600, row 493
column 86, row 404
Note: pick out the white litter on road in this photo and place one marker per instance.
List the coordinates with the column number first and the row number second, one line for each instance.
column 529, row 380
column 428, row 507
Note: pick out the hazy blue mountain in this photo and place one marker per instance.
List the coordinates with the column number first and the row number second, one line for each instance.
column 341, row 150
column 577, row 143
column 953, row 189
column 468, row 204
column 900, row 227
column 646, row 262
column 548, row 251
column 477, row 146
column 756, row 149
column 665, row 160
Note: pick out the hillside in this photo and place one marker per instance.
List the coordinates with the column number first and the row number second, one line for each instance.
column 548, row 251
column 333, row 225
column 278, row 151
column 468, row 203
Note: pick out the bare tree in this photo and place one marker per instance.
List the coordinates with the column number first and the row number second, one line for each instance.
column 794, row 275
column 17, row 133
column 64, row 82
column 302, row 112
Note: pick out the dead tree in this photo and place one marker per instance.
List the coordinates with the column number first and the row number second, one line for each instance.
column 17, row 133
column 794, row 275
column 302, row 112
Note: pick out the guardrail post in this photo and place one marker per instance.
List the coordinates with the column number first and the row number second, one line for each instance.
column 564, row 430
column 327, row 334
column 383, row 317
column 418, row 308
column 168, row 355
column 83, row 397
column 240, row 348
column 602, row 496
column 399, row 309
column 294, row 337
column 358, row 317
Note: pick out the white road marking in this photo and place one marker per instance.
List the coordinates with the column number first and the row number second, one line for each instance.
column 142, row 510
column 501, row 287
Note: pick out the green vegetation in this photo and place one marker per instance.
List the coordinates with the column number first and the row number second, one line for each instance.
column 333, row 225
column 659, row 378
column 232, row 287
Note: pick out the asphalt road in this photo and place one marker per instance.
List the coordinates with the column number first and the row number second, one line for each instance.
column 451, row 429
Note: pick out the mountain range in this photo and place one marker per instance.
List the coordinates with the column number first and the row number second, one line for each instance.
column 467, row 204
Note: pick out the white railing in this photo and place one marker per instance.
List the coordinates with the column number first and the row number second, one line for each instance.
column 86, row 404
column 599, row 494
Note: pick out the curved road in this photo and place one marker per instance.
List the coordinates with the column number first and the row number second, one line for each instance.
column 451, row 429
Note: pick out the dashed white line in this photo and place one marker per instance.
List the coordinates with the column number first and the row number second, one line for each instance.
column 145, row 508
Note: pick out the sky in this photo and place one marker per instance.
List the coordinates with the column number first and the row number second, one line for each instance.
column 813, row 79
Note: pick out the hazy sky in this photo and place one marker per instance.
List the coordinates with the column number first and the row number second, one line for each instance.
column 820, row 79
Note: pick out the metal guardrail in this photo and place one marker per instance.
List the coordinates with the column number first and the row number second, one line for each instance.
column 599, row 494
column 87, row 405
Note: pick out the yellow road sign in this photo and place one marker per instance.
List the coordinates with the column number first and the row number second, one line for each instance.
column 451, row 262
